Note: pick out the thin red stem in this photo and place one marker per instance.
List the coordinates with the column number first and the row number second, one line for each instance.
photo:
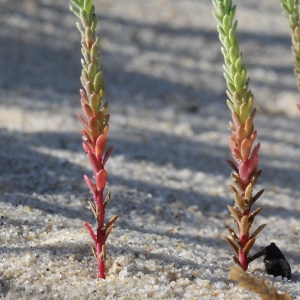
column 243, row 260
column 100, row 258
column 100, row 235
column 101, row 268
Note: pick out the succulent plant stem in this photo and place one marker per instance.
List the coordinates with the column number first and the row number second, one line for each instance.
column 291, row 12
column 243, row 136
column 95, row 127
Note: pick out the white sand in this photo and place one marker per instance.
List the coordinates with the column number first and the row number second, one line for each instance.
column 168, row 175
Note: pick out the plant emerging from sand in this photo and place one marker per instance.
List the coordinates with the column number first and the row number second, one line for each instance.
column 242, row 138
column 291, row 12
column 95, row 127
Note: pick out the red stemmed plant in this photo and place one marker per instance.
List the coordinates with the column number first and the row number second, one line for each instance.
column 95, row 127
column 242, row 138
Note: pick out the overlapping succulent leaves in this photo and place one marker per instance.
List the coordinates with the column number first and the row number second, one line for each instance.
column 242, row 138
column 95, row 125
column 291, row 12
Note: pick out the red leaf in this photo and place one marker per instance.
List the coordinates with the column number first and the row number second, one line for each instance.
column 236, row 119
column 86, row 136
column 93, row 126
column 82, row 93
column 81, row 119
column 91, row 185
column 244, row 172
column 107, row 154
column 255, row 150
column 93, row 162
column 233, row 144
column 86, row 109
column 240, row 133
column 86, row 147
column 105, row 129
column 246, row 148
column 91, row 156
column 90, row 231
column 101, row 179
column 100, row 145
column 236, row 154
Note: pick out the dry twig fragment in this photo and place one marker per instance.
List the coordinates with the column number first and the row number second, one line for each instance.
column 264, row 290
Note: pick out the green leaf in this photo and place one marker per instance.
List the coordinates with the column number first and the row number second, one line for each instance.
column 76, row 3
column 286, row 9
column 292, row 21
column 233, row 53
column 230, row 105
column 87, row 57
column 230, row 87
column 84, row 18
column 84, row 65
column 236, row 100
column 98, row 82
column 92, row 70
column 232, row 69
column 239, row 65
column 221, row 30
column 243, row 77
column 250, row 101
column 94, row 50
column 89, row 36
column 238, row 82
column 228, row 78
column 297, row 32
column 217, row 17
column 92, row 11
column 80, row 28
column 222, row 34
column 244, row 111
column 221, row 9
column 249, row 98
column 227, row 61
column 229, row 95
column 226, row 43
column 215, row 4
column 226, row 23
column 232, row 36
column 94, row 23
column 83, row 45
column 84, row 75
column 226, row 69
column 290, row 4
column 75, row 11
column 224, row 52
column 94, row 102
column 228, row 5
column 87, row 6
column 233, row 10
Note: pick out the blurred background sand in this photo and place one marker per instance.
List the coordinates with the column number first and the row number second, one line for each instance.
column 166, row 92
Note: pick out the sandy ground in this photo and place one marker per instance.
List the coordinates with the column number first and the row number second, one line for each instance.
column 168, row 175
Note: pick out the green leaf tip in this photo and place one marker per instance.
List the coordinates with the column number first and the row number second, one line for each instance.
column 235, row 71
column 75, row 11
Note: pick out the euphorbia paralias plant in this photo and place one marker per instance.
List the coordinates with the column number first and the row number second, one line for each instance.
column 95, row 127
column 242, row 144
column 291, row 12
